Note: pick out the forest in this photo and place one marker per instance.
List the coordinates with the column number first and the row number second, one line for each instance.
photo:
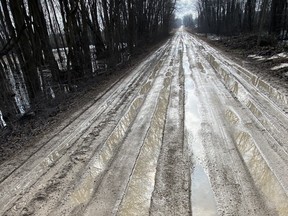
column 48, row 46
column 234, row 17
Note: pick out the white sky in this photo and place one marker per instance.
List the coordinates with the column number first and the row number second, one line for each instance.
column 184, row 7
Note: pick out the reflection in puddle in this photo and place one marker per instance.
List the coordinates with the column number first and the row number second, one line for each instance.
column 203, row 202
column 263, row 177
column 84, row 193
column 231, row 117
column 257, row 113
column 234, row 88
column 226, row 76
column 146, row 87
column 200, row 66
column 254, row 109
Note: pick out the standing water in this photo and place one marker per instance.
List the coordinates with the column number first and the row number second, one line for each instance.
column 203, row 202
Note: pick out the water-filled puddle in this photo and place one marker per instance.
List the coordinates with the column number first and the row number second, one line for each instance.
column 146, row 87
column 202, row 197
column 231, row 117
column 203, row 202
column 257, row 113
column 234, row 88
column 200, row 66
column 263, row 177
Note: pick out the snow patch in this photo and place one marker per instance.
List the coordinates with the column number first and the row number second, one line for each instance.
column 214, row 37
column 283, row 55
column 262, row 58
column 52, row 93
column 2, row 122
column 257, row 57
column 279, row 55
column 273, row 57
column 283, row 65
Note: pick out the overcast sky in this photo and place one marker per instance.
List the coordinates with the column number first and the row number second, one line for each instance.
column 185, row 7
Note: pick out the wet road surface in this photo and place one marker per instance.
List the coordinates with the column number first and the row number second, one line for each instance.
column 186, row 132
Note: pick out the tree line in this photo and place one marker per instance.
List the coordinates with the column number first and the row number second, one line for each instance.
column 232, row 17
column 46, row 43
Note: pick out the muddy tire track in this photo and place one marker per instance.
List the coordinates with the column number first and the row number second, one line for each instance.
column 171, row 195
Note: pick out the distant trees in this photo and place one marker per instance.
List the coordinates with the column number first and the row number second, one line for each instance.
column 243, row 16
column 188, row 21
column 279, row 12
column 177, row 23
column 48, row 43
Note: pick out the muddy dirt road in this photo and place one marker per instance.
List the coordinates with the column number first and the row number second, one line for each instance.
column 187, row 132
